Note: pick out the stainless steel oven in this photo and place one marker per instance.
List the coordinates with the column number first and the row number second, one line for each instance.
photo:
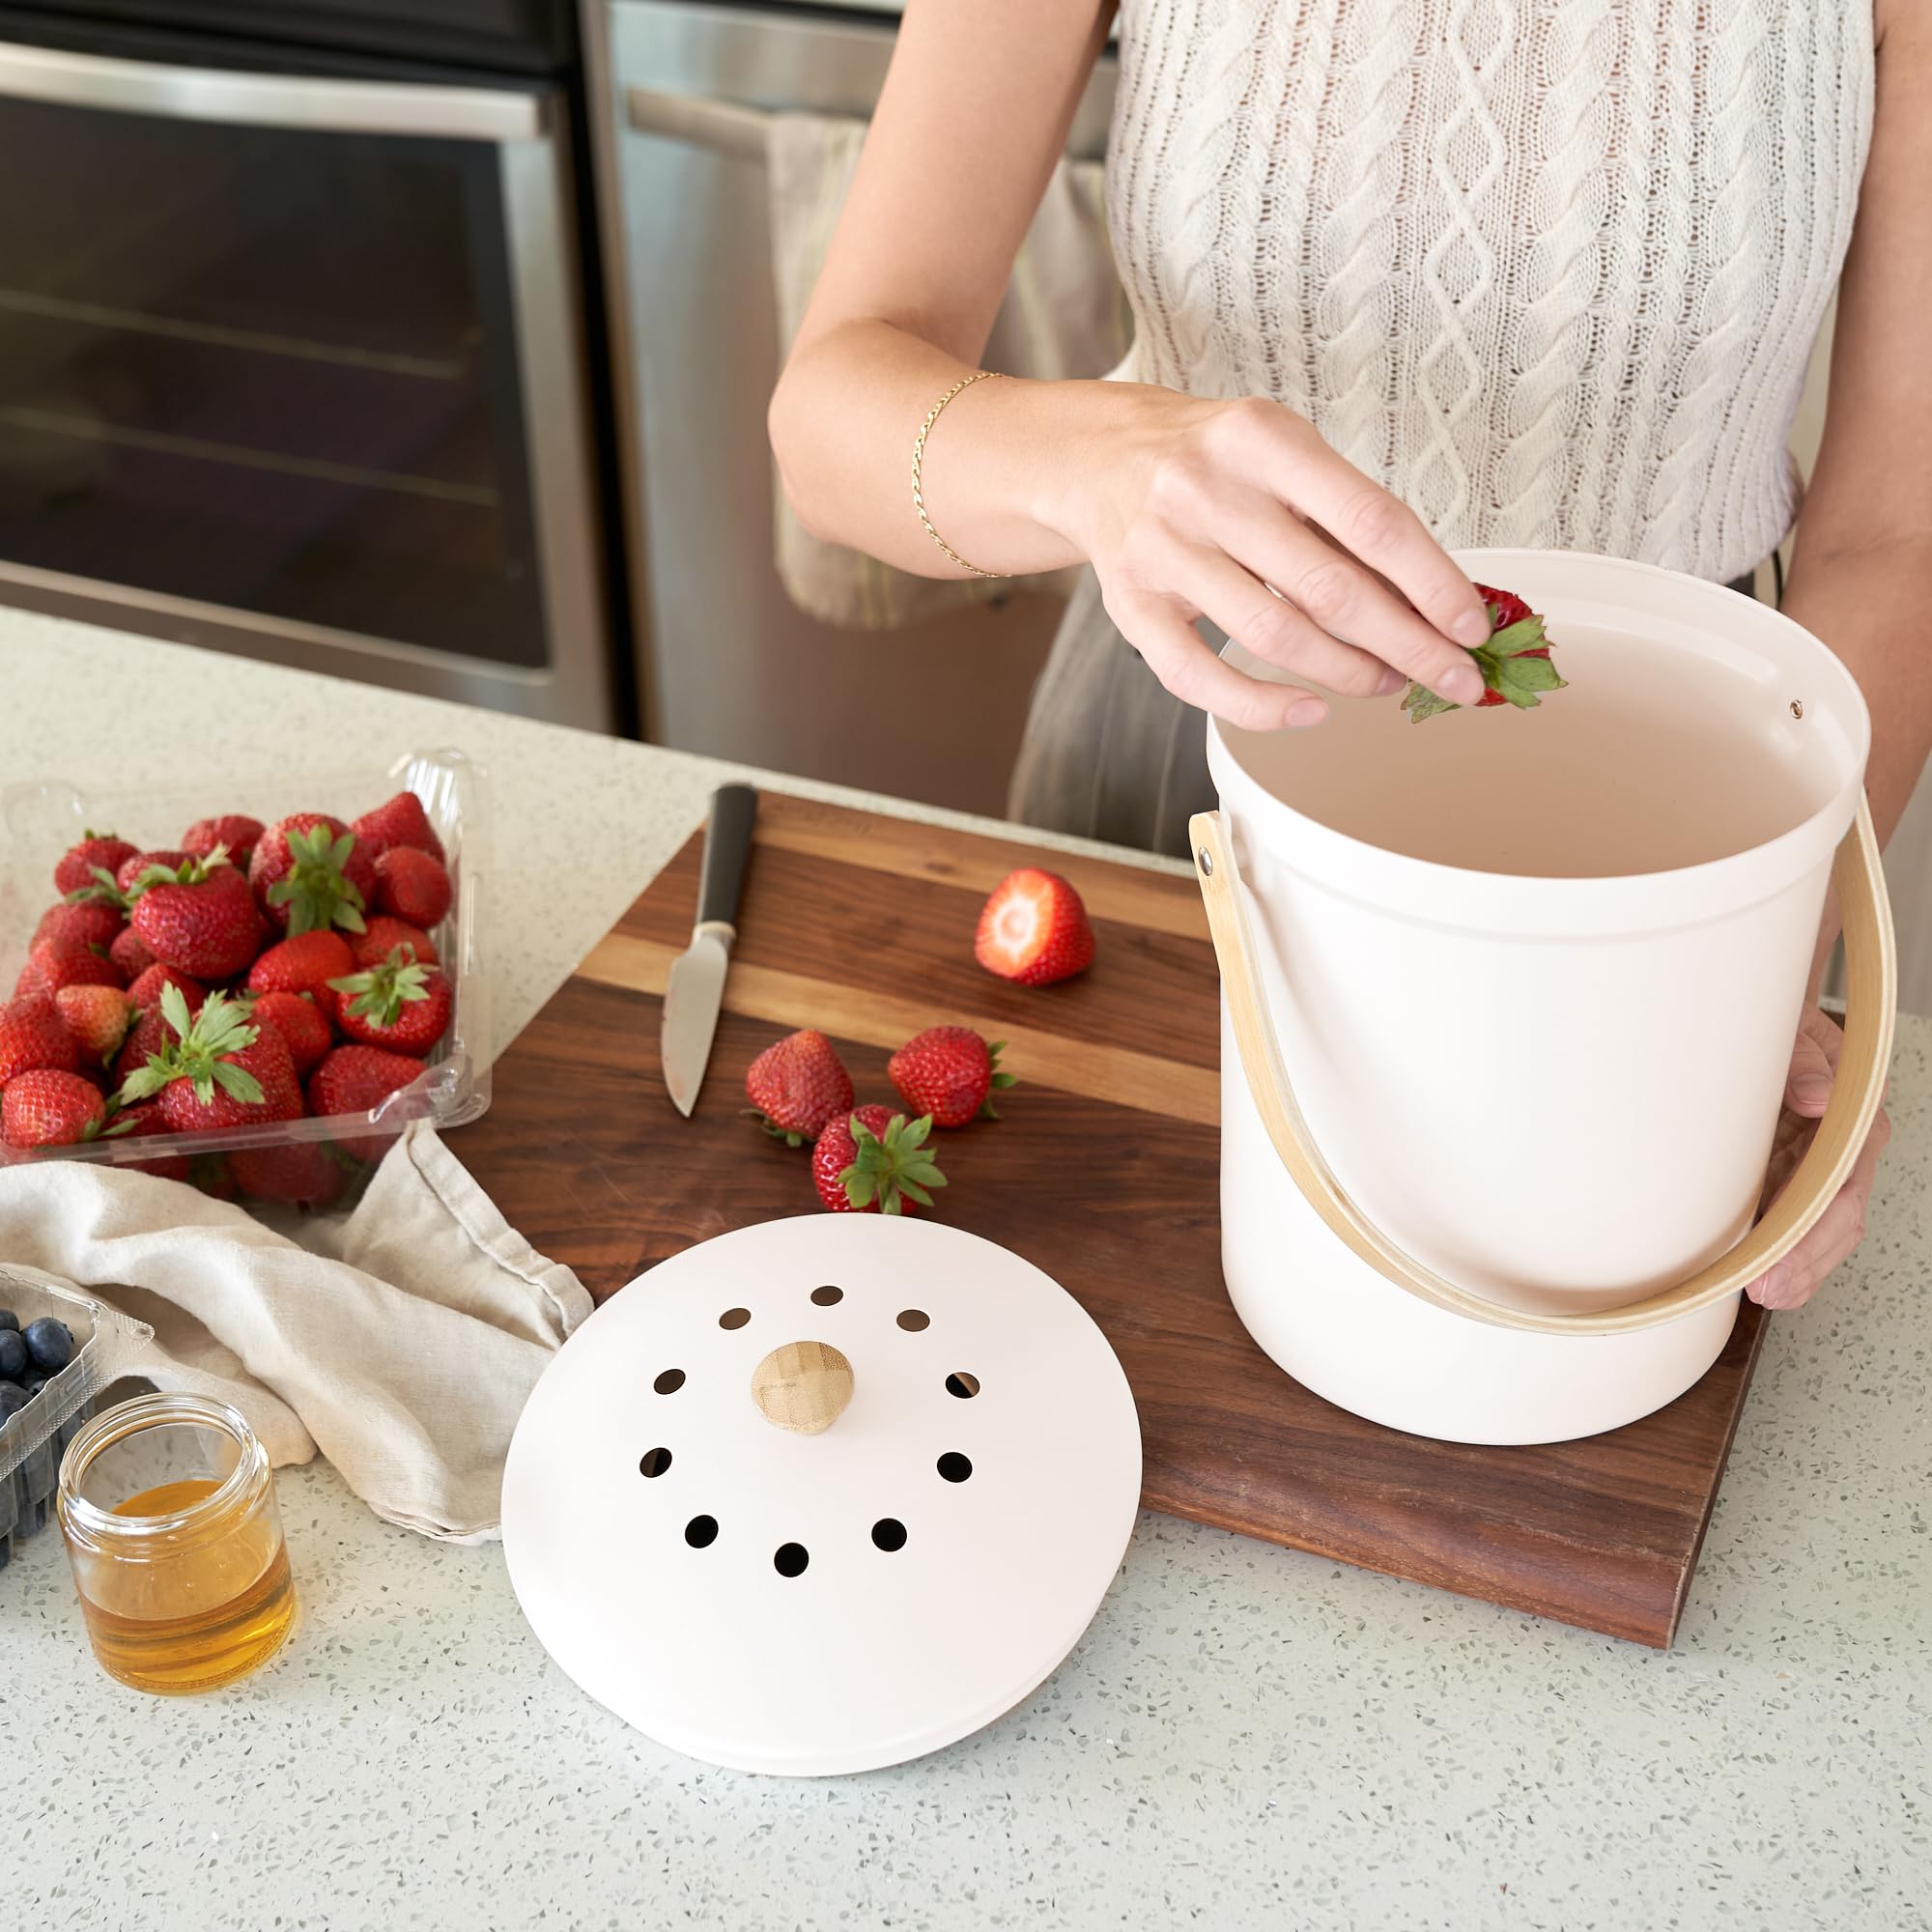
column 293, row 353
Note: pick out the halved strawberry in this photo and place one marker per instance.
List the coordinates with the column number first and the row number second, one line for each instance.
column 1033, row 930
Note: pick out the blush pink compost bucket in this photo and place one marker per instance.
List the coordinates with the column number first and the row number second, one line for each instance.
column 1509, row 1001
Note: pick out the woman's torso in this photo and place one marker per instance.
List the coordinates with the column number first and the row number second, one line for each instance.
column 1549, row 270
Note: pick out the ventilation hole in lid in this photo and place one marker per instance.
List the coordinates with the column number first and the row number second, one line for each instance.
column 888, row 1533
column 654, row 1463
column 669, row 1382
column 789, row 1559
column 954, row 1467
column 701, row 1531
column 913, row 1319
column 827, row 1296
column 963, row 1383
column 734, row 1318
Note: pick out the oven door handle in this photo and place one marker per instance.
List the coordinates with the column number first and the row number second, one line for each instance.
column 725, row 126
column 253, row 99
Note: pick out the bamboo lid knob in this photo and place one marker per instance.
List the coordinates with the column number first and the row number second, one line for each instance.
column 803, row 1387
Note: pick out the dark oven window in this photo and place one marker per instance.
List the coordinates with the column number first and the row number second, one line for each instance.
column 264, row 370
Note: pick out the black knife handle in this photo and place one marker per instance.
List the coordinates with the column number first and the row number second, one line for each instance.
column 728, row 846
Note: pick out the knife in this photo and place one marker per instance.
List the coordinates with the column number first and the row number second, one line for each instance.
column 695, row 988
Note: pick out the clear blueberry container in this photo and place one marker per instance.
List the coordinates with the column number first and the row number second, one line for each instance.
column 33, row 1439
column 44, row 819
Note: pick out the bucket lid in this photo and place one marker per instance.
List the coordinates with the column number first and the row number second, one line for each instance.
column 823, row 1494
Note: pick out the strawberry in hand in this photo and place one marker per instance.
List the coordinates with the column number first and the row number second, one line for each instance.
column 1515, row 663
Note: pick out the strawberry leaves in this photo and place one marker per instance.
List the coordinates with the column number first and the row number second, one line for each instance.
column 381, row 993
column 316, row 890
column 194, row 1054
column 892, row 1168
column 1516, row 669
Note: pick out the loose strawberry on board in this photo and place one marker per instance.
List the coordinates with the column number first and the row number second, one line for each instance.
column 130, row 951
column 798, row 1084
column 97, row 1017
column 308, row 873
column 949, row 1072
column 151, row 982
column 44, row 1108
column 235, row 830
column 411, row 885
column 1515, row 663
column 130, row 872
column 303, row 964
column 398, row 822
column 1033, row 930
column 77, row 865
column 218, row 1070
column 82, row 922
column 199, row 918
column 61, row 964
column 872, row 1161
column 34, row 1035
column 384, row 935
column 302, row 1025
column 398, row 1005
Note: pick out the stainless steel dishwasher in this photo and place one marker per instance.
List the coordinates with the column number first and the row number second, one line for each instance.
column 726, row 663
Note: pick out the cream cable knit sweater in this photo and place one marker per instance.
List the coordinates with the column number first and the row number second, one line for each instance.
column 1548, row 269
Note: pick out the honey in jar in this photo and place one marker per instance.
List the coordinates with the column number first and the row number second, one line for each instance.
column 168, row 1509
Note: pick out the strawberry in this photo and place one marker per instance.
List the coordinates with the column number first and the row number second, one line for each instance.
column 398, row 822
column 148, row 1036
column 872, row 1162
column 356, row 1079
column 303, row 964
column 305, row 1174
column 1515, row 663
column 1033, row 930
column 143, row 1122
column 233, row 829
column 97, row 849
column 399, row 1005
column 798, row 1084
column 302, row 1025
column 219, row 1070
column 384, row 935
column 81, row 923
column 32, row 984
column 45, row 1108
column 34, row 1035
column 148, row 987
column 309, row 875
column 97, row 1017
column 64, row 963
column 411, row 885
column 130, row 872
column 130, row 951
column 199, row 918
column 949, row 1072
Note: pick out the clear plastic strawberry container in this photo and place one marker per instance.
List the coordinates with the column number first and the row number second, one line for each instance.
column 42, row 819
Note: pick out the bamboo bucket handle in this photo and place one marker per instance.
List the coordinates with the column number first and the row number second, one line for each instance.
column 1872, row 971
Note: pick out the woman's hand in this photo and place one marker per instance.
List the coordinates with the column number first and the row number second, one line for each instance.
column 1792, row 1282
column 1239, row 512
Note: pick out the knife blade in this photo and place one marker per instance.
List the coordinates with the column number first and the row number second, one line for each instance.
column 695, row 990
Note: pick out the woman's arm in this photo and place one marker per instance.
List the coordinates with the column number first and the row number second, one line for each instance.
column 1862, row 570
column 1184, row 507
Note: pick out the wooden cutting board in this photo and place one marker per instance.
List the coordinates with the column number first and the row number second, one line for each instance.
column 1104, row 1173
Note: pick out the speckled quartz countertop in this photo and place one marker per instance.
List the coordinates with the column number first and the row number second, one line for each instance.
column 1248, row 1736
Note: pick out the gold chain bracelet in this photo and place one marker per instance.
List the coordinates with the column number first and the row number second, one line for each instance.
column 919, row 458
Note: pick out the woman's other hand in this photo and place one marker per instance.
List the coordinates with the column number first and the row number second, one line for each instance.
column 1793, row 1281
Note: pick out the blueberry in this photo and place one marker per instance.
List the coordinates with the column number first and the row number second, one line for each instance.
column 12, row 1354
column 50, row 1345
column 8, row 1319
column 34, row 1385
column 12, row 1399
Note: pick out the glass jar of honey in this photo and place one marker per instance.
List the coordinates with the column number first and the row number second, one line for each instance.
column 167, row 1505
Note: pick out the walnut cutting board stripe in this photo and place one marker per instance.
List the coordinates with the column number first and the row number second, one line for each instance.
column 1105, row 1173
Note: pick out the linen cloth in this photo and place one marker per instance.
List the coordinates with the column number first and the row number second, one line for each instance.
column 401, row 1343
